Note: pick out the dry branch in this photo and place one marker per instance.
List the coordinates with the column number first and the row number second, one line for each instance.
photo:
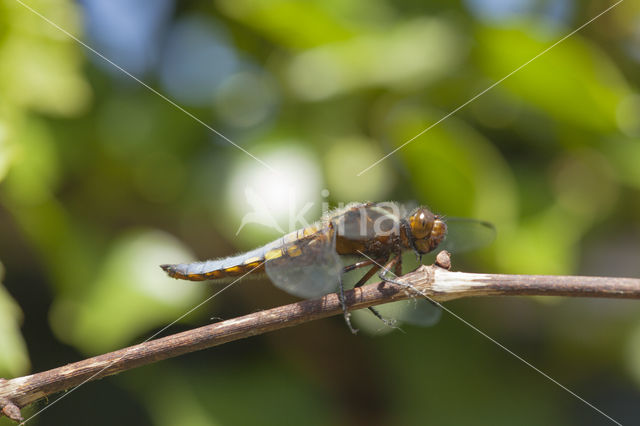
column 436, row 282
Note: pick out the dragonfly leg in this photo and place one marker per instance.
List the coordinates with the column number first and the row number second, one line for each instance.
column 362, row 280
column 376, row 266
column 357, row 265
column 389, row 322
column 393, row 263
column 347, row 315
column 396, row 263
column 345, row 312
column 371, row 272
column 398, row 269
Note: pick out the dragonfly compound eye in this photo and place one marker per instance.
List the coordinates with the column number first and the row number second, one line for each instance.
column 438, row 231
column 421, row 223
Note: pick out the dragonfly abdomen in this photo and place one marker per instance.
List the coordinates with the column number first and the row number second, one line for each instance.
column 241, row 264
column 216, row 269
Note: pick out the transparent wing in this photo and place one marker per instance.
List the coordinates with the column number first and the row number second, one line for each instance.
column 462, row 235
column 308, row 267
column 415, row 311
column 366, row 221
column 466, row 235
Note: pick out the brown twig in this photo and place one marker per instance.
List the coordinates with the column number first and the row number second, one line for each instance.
column 436, row 282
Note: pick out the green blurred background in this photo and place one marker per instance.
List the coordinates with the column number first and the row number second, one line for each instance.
column 101, row 180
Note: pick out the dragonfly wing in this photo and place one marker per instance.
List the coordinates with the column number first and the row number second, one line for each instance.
column 466, row 235
column 307, row 267
column 415, row 311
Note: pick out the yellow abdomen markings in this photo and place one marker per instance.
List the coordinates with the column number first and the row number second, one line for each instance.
column 252, row 262
column 290, row 238
column 192, row 277
column 309, row 230
column 273, row 254
column 234, row 270
column 215, row 274
column 294, row 251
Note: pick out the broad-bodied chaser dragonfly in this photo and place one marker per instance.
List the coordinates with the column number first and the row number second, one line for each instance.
column 308, row 262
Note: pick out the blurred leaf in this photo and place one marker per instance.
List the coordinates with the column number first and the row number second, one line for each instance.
column 35, row 170
column 247, row 98
column 583, row 182
column 176, row 401
column 129, row 296
column 633, row 353
column 67, row 250
column 542, row 244
column 210, row 395
column 14, row 360
column 454, row 169
column 573, row 82
column 40, row 67
column 624, row 154
column 547, row 241
column 422, row 388
column 344, row 159
column 410, row 54
column 7, row 150
column 313, row 23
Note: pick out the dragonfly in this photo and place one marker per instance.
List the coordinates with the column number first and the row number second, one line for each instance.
column 309, row 262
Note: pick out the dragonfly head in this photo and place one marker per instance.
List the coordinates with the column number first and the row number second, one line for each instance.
column 427, row 230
